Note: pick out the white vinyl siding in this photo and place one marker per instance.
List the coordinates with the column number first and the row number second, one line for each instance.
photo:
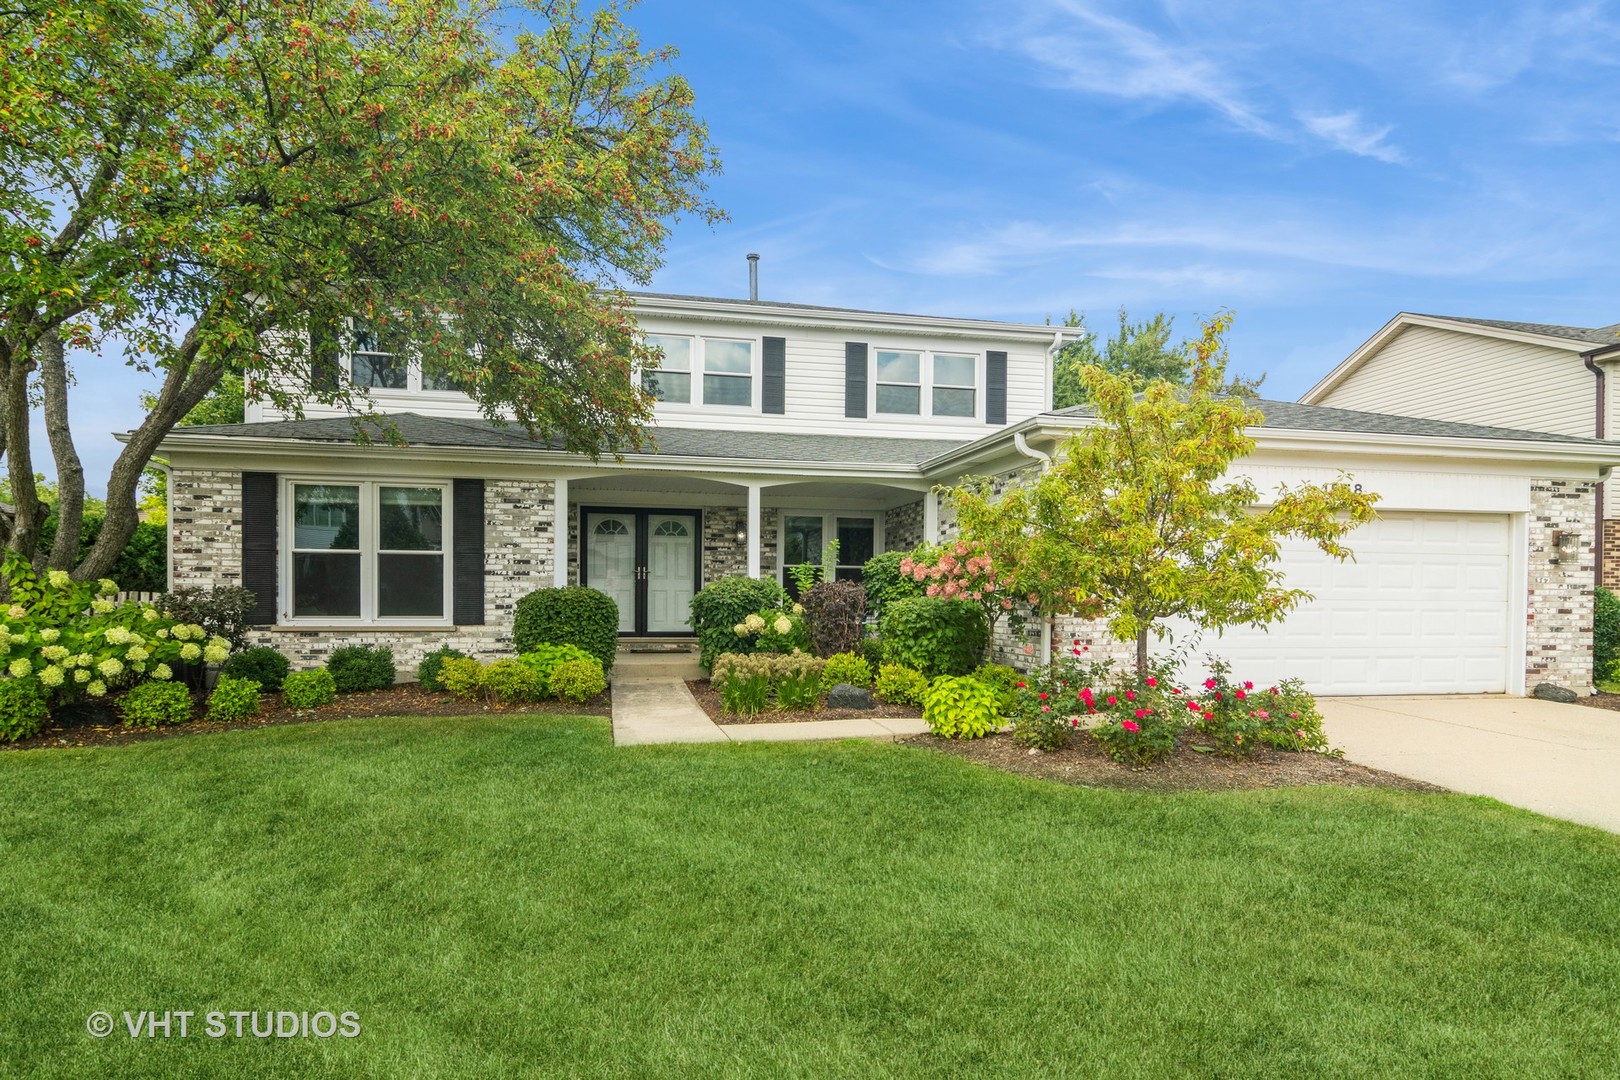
column 1469, row 378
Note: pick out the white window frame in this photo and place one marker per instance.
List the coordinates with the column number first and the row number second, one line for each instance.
column 925, row 404
column 829, row 531
column 934, row 385
column 921, row 384
column 753, row 375
column 414, row 385
column 371, row 531
column 694, row 377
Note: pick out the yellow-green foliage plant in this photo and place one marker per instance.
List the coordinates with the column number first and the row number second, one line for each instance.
column 961, row 707
column 901, row 685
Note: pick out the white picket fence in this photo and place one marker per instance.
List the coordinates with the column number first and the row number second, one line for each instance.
column 138, row 597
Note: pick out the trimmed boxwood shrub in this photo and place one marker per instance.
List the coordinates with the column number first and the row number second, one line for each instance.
column 233, row 699
column 23, row 709
column 511, row 681
column 307, row 689
column 429, row 673
column 1605, row 633
column 721, row 605
column 262, row 664
column 577, row 680
column 154, row 703
column 934, row 635
column 572, row 616
column 355, row 668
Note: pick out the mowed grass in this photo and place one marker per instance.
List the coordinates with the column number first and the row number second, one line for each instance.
column 515, row 897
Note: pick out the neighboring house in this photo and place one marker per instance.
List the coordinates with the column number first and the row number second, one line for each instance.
column 783, row 427
column 1534, row 376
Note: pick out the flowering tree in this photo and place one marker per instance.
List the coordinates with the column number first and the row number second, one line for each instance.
column 222, row 187
column 1137, row 519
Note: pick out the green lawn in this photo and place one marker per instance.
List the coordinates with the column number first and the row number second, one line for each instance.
column 514, row 897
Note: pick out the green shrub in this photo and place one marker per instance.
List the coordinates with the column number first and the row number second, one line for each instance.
column 221, row 610
column 934, row 635
column 307, row 689
column 719, row 606
column 1227, row 715
column 233, row 699
column 511, row 680
column 356, row 668
column 1605, row 631
column 262, row 664
column 571, row 616
column 778, row 631
column 154, row 703
column 463, row 676
column 960, row 707
column 900, row 685
column 798, row 691
column 884, row 583
column 578, row 680
column 143, row 565
column 543, row 659
column 1290, row 718
column 24, row 709
column 427, row 672
column 846, row 667
column 746, row 694
column 872, row 651
column 835, row 616
column 1006, row 681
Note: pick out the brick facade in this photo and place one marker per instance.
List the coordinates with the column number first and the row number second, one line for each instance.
column 1558, row 625
column 903, row 526
column 1611, row 553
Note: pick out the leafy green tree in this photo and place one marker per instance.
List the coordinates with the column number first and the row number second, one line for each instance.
column 225, row 404
column 1141, row 350
column 221, row 187
column 1137, row 520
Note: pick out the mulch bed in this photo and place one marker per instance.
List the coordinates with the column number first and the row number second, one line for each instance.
column 1084, row 764
column 709, row 699
column 1600, row 701
column 96, row 724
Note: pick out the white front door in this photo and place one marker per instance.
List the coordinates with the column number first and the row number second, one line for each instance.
column 610, row 559
column 671, row 566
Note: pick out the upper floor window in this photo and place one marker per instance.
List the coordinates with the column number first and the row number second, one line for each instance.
column 724, row 370
column 920, row 383
column 378, row 360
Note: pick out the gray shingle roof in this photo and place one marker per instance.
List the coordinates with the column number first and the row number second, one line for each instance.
column 1293, row 416
column 785, row 306
column 419, row 430
column 1593, row 335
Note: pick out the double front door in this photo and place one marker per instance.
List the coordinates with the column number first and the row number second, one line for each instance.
column 647, row 560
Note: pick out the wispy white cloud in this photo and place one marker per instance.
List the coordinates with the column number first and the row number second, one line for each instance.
column 1349, row 132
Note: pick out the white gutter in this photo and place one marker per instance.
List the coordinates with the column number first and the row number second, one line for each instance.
column 1030, row 452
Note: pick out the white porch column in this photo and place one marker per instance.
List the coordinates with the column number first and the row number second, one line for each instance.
column 753, row 530
column 930, row 518
column 559, row 533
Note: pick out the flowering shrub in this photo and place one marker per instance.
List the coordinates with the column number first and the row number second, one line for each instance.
column 71, row 639
column 154, row 703
column 232, row 699
column 746, row 682
column 884, row 581
column 720, row 606
column 307, row 689
column 1050, row 705
column 961, row 707
column 1229, row 712
column 900, row 685
column 23, row 709
column 1293, row 721
column 221, row 610
column 775, row 631
column 1135, row 721
column 846, row 667
column 934, row 635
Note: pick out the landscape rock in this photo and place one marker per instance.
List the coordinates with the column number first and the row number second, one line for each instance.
column 1553, row 692
column 845, row 696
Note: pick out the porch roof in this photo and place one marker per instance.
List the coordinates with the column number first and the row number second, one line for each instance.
column 671, row 442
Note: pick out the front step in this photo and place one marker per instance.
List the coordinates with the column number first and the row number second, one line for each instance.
column 641, row 662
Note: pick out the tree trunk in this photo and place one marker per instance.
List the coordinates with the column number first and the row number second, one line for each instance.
column 1142, row 653
column 64, row 553
column 24, row 534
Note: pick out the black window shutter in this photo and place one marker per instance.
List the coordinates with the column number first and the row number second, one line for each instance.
column 774, row 387
column 995, row 389
column 467, row 560
column 260, row 560
column 855, row 378
column 324, row 368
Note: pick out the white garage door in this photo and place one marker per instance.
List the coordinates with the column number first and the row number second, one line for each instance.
column 1422, row 610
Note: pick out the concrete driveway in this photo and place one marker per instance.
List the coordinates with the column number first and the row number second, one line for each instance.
column 1561, row 760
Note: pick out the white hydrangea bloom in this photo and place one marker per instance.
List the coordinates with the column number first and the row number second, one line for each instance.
column 84, row 659
column 136, row 639
column 19, row 639
column 138, row 665
column 51, row 675
column 117, row 635
column 162, row 671
column 81, row 676
column 16, row 611
column 96, row 689
column 740, row 628
column 108, row 586
column 798, row 609
column 136, row 654
column 50, row 633
column 190, row 651
column 783, row 624
column 112, row 667
column 163, row 632
column 59, row 579
column 54, row 653
column 102, row 605
column 150, row 614
column 216, row 654
column 754, row 623
column 20, row 667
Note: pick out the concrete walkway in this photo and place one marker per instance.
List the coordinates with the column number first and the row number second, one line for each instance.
column 660, row 709
column 1561, row 760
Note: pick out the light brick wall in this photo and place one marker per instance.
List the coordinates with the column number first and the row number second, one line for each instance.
column 1558, row 625
column 1611, row 552
column 518, row 553
column 723, row 556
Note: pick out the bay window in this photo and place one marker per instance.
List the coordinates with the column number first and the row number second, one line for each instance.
column 368, row 551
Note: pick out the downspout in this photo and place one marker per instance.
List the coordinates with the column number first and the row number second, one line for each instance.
column 1042, row 460
column 1051, row 372
column 1600, row 424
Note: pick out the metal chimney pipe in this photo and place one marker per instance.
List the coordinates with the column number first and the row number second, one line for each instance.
column 753, row 275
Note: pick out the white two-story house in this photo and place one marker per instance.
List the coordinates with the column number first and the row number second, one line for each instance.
column 781, row 428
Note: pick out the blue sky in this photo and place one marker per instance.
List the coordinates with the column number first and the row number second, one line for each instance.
column 1315, row 168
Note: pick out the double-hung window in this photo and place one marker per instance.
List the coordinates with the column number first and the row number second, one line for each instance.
column 378, row 360
column 671, row 380
column 370, row 551
column 956, row 385
column 916, row 382
column 728, row 372
column 899, row 382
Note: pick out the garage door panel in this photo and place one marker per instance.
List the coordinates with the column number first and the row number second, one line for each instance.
column 1423, row 608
